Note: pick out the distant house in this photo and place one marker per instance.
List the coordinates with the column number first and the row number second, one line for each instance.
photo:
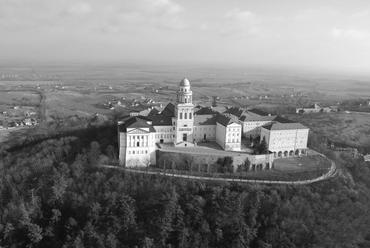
column 316, row 108
column 367, row 158
column 30, row 122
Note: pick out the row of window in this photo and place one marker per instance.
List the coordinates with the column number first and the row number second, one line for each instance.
column 138, row 152
column 204, row 128
column 136, row 137
column 186, row 115
column 232, row 140
column 158, row 130
column 137, row 144
column 233, row 134
column 230, row 129
column 164, row 136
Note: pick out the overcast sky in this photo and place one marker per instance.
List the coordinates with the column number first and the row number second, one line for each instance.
column 318, row 33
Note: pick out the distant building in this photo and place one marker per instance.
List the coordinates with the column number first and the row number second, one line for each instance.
column 367, row 158
column 315, row 108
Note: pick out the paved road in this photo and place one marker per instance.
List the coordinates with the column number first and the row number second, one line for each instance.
column 331, row 173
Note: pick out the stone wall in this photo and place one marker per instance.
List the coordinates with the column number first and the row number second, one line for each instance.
column 257, row 162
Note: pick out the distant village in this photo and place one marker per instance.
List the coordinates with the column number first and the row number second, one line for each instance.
column 18, row 116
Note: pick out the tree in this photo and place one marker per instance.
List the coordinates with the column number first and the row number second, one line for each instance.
column 245, row 166
column 226, row 164
column 262, row 147
column 94, row 153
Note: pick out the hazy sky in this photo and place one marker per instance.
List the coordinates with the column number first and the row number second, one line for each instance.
column 318, row 33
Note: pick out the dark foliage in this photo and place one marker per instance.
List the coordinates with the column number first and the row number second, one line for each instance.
column 54, row 194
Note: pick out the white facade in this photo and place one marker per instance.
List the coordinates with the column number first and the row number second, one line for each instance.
column 164, row 134
column 233, row 137
column 285, row 141
column 137, row 147
column 176, row 124
column 205, row 133
column 229, row 137
column 253, row 127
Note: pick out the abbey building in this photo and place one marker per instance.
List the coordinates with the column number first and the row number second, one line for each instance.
column 184, row 125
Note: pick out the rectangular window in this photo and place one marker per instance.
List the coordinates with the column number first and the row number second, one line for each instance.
column 185, row 115
column 190, row 116
column 133, row 152
column 180, row 115
column 138, row 143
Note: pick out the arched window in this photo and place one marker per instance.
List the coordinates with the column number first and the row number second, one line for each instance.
column 186, row 100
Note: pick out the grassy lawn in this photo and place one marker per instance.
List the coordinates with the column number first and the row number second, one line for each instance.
column 299, row 164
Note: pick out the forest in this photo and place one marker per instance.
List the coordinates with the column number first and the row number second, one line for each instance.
column 55, row 194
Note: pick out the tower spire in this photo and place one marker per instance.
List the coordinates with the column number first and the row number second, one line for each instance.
column 184, row 95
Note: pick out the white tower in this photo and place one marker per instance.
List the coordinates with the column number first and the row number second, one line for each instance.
column 184, row 115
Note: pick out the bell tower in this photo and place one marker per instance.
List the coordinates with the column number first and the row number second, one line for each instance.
column 184, row 115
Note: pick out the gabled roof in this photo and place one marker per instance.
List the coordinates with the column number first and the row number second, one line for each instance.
column 161, row 120
column 224, row 120
column 200, row 120
column 234, row 111
column 169, row 110
column 135, row 122
column 205, row 111
column 283, row 120
column 249, row 116
column 154, row 111
column 258, row 111
column 284, row 126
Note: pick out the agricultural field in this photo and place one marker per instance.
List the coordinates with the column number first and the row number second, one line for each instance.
column 351, row 128
column 18, row 97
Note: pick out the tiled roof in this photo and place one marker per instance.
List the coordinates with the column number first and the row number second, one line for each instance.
column 282, row 119
column 204, row 120
column 169, row 110
column 161, row 120
column 248, row 116
column 154, row 111
column 135, row 122
column 205, row 111
column 234, row 111
column 258, row 112
column 284, row 126
column 224, row 120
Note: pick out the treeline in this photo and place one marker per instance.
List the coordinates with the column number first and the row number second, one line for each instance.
column 54, row 194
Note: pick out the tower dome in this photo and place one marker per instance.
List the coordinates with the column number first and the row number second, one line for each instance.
column 185, row 82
